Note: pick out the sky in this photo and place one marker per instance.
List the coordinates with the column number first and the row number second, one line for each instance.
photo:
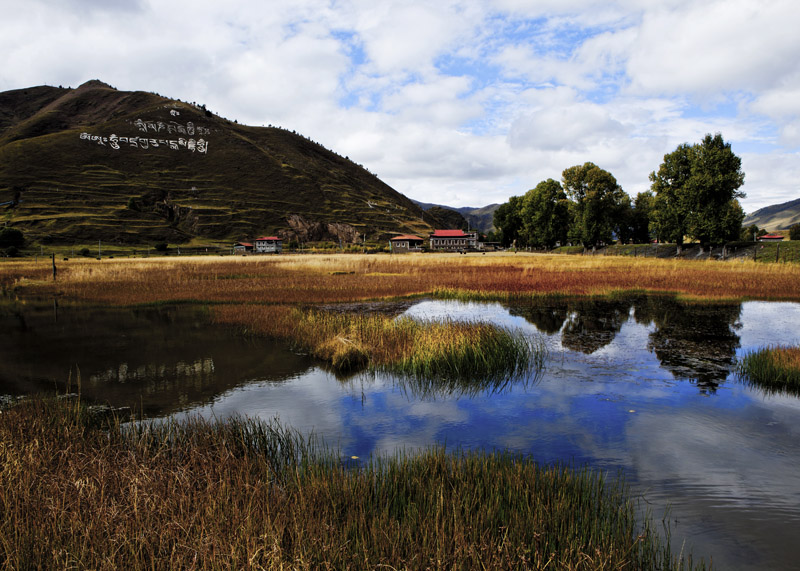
column 461, row 103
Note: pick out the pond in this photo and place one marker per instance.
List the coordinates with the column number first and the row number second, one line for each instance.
column 641, row 385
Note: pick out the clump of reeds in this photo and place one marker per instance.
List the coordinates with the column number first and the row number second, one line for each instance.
column 775, row 368
column 243, row 494
column 430, row 349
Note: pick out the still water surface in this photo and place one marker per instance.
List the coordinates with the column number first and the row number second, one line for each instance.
column 642, row 385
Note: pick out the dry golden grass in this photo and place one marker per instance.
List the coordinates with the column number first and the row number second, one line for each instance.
column 310, row 279
column 350, row 341
column 78, row 493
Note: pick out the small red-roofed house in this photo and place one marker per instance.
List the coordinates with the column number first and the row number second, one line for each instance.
column 268, row 245
column 770, row 238
column 242, row 248
column 406, row 243
column 453, row 240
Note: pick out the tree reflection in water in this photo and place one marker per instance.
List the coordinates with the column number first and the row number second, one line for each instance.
column 693, row 341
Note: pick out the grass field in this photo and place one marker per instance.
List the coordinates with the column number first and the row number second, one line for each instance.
column 77, row 492
column 312, row 279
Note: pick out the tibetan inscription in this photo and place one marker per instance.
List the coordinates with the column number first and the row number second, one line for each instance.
column 115, row 142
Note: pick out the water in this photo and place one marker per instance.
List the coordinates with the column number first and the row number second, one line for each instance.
column 642, row 386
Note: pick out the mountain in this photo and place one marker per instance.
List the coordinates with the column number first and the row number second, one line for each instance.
column 481, row 219
column 94, row 163
column 775, row 217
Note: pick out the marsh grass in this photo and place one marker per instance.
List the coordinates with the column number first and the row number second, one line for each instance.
column 78, row 492
column 436, row 350
column 774, row 368
column 322, row 279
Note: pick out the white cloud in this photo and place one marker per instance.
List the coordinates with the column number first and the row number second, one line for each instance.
column 458, row 102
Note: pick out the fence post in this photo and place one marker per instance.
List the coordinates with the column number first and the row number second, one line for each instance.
column 777, row 252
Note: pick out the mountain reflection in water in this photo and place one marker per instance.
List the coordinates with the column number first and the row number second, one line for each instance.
column 158, row 360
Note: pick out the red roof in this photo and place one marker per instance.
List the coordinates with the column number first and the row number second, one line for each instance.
column 272, row 238
column 771, row 237
column 448, row 234
column 407, row 237
column 248, row 244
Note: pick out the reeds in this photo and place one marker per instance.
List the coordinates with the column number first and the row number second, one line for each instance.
column 242, row 494
column 308, row 279
column 774, row 368
column 423, row 349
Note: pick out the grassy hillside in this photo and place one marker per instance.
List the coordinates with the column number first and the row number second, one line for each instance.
column 776, row 217
column 94, row 163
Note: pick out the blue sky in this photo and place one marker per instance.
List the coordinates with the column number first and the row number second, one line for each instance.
column 456, row 102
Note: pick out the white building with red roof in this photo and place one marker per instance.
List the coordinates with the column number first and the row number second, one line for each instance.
column 268, row 245
column 454, row 240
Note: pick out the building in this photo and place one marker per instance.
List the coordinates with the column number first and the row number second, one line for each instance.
column 241, row 248
column 406, row 243
column 770, row 238
column 453, row 240
column 268, row 245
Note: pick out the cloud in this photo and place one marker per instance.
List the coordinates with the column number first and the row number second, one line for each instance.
column 458, row 102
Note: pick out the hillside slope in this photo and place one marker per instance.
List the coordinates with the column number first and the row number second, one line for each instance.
column 94, row 163
column 481, row 219
column 775, row 217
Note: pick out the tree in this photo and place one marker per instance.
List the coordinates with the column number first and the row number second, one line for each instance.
column 545, row 214
column 794, row 232
column 508, row 221
column 749, row 234
column 671, row 204
column 11, row 237
column 714, row 185
column 696, row 188
column 598, row 203
column 640, row 217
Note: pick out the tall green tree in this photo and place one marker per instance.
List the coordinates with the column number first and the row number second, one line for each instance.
column 672, row 204
column 640, row 223
column 545, row 214
column 716, row 178
column 508, row 221
column 598, row 203
column 696, row 190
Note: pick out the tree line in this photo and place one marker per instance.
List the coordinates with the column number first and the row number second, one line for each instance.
column 694, row 194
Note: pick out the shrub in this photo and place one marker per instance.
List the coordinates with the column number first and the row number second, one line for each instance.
column 794, row 232
column 11, row 237
column 84, row 252
column 161, row 247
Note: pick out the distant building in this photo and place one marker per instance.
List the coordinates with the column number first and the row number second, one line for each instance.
column 406, row 243
column 453, row 240
column 241, row 248
column 770, row 238
column 268, row 245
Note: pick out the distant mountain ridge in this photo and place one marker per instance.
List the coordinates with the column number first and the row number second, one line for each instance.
column 478, row 218
column 776, row 217
column 94, row 163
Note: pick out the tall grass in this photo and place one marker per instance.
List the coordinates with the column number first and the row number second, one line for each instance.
column 423, row 349
column 242, row 494
column 346, row 278
column 774, row 368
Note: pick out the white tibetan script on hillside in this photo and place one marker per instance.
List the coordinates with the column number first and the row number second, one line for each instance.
column 171, row 127
column 115, row 142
